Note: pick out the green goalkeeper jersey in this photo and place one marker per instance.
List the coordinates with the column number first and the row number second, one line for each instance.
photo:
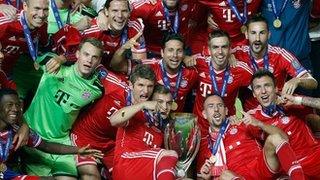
column 58, row 101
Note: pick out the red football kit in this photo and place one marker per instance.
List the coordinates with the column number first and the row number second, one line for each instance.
column 280, row 62
column 240, row 76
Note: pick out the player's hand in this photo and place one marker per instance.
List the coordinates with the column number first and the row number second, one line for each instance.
column 153, row 2
column 77, row 6
column 291, row 100
column 84, row 151
column 234, row 120
column 132, row 42
column 83, row 24
column 290, row 86
column 102, row 20
column 21, row 137
column 205, row 171
column 53, row 65
column 9, row 11
column 211, row 23
column 190, row 61
column 249, row 120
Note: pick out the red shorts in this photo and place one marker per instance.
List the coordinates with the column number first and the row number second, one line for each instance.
column 86, row 160
column 311, row 165
column 136, row 165
column 256, row 169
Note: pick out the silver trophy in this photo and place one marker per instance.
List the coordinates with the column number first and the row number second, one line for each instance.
column 182, row 135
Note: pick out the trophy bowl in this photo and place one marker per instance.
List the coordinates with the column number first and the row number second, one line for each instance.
column 182, row 135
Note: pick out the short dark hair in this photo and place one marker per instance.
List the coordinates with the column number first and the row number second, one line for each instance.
column 142, row 71
column 7, row 91
column 262, row 73
column 161, row 89
column 93, row 41
column 107, row 4
column 257, row 18
column 173, row 36
column 219, row 33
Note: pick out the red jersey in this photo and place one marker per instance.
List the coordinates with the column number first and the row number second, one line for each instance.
column 292, row 122
column 281, row 64
column 14, row 42
column 15, row 3
column 113, row 42
column 226, row 18
column 5, row 82
column 138, row 136
column 188, row 80
column 156, row 23
column 241, row 148
column 315, row 12
column 240, row 76
column 94, row 123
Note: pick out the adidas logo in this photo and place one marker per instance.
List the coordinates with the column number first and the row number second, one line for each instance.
column 159, row 14
column 223, row 3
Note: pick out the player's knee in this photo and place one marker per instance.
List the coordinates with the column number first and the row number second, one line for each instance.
column 228, row 175
column 88, row 172
column 275, row 139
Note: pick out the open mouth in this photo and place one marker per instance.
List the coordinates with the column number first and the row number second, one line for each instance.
column 144, row 97
column 257, row 44
column 265, row 98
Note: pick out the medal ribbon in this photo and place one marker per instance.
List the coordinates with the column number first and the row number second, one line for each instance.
column 124, row 36
column 57, row 15
column 17, row 3
column 274, row 9
column 243, row 19
column 214, row 82
column 272, row 108
column 4, row 151
column 254, row 64
column 166, row 81
column 215, row 145
column 33, row 48
column 175, row 25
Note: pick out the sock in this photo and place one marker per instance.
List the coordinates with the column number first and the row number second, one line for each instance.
column 289, row 161
column 165, row 168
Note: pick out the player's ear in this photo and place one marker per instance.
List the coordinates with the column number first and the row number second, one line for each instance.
column 161, row 52
column 226, row 110
column 204, row 114
column 77, row 54
column 106, row 11
column 130, row 85
column 246, row 33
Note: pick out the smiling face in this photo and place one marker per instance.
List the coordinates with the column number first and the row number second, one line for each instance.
column 36, row 12
column 10, row 109
column 219, row 51
column 118, row 14
column 142, row 89
column 264, row 90
column 258, row 35
column 214, row 111
column 172, row 55
column 89, row 57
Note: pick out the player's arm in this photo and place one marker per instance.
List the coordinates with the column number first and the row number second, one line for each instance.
column 305, row 81
column 303, row 100
column 119, row 62
column 269, row 129
column 50, row 62
column 122, row 116
column 56, row 148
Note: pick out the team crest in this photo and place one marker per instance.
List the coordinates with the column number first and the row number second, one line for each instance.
column 233, row 131
column 285, row 120
column 184, row 7
column 86, row 95
column 271, row 69
column 230, row 80
column 249, row 1
column 183, row 83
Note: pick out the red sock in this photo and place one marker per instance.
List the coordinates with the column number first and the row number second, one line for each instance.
column 165, row 168
column 289, row 161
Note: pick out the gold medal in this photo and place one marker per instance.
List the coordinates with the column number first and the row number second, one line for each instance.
column 212, row 159
column 3, row 167
column 243, row 29
column 174, row 106
column 277, row 23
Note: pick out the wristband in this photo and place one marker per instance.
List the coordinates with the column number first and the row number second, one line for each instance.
column 297, row 100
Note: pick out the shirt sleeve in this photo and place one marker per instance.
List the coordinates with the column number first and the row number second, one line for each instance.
column 34, row 139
